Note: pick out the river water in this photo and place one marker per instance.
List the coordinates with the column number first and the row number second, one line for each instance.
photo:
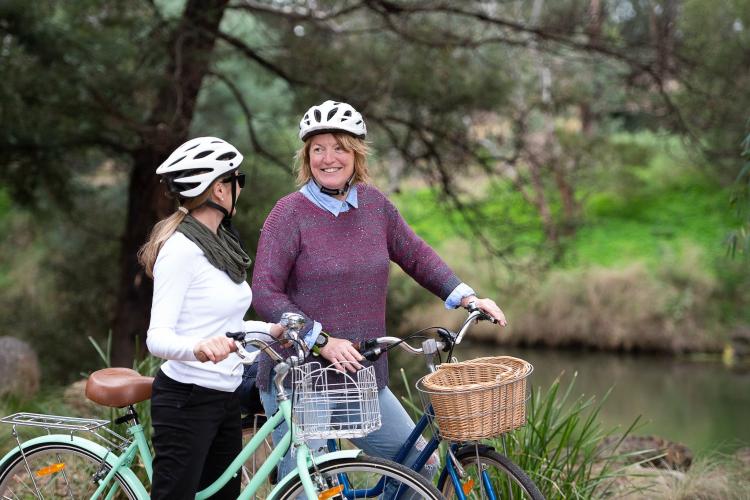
column 702, row 404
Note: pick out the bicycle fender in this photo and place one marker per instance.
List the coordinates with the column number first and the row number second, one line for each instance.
column 482, row 447
column 318, row 460
column 97, row 449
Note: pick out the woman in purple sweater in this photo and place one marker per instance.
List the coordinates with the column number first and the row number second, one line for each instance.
column 325, row 251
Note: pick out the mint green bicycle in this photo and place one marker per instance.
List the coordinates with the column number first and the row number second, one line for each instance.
column 102, row 464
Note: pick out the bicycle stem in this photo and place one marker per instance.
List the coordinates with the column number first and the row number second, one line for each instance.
column 429, row 349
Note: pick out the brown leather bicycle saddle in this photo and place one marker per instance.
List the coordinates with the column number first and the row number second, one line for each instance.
column 118, row 387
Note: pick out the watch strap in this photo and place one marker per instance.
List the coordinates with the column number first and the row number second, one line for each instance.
column 316, row 348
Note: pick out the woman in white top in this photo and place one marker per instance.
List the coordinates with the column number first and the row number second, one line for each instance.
column 200, row 293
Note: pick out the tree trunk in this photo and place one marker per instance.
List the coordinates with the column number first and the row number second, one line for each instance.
column 190, row 49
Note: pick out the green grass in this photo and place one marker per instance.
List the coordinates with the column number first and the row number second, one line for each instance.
column 646, row 226
column 630, row 212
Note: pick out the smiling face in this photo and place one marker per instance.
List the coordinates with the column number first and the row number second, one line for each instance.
column 331, row 165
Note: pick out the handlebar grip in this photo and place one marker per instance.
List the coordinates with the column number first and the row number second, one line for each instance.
column 472, row 307
column 368, row 349
column 489, row 318
column 371, row 354
column 365, row 345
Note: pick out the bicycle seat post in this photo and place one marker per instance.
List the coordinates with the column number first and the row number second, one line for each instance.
column 429, row 348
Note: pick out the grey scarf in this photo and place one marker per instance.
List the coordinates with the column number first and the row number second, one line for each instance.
column 223, row 250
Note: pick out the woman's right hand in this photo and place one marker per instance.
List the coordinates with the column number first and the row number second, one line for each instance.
column 214, row 349
column 341, row 352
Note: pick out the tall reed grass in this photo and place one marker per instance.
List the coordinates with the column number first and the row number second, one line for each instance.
column 561, row 446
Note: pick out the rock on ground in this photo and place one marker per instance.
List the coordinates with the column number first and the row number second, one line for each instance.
column 19, row 368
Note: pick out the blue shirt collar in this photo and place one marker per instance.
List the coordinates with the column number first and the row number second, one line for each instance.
column 327, row 202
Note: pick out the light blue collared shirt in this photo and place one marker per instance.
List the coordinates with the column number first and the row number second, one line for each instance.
column 313, row 193
column 335, row 206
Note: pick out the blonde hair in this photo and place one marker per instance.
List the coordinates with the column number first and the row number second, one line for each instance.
column 165, row 228
column 346, row 141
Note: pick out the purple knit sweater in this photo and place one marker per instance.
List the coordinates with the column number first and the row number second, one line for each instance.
column 334, row 270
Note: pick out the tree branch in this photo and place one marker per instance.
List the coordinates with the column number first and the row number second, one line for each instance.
column 249, row 121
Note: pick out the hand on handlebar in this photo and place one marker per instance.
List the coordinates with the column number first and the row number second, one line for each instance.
column 214, row 349
column 342, row 354
column 277, row 331
column 488, row 307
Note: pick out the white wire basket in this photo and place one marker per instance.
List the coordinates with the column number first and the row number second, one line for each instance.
column 329, row 404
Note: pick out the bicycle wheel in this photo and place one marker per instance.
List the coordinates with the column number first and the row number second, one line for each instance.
column 57, row 470
column 506, row 479
column 368, row 477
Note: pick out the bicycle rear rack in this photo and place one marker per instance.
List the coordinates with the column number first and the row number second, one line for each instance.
column 97, row 427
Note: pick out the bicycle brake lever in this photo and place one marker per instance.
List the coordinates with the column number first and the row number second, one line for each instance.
column 448, row 337
column 236, row 335
column 246, row 358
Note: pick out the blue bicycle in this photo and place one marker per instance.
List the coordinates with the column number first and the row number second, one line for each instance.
column 471, row 469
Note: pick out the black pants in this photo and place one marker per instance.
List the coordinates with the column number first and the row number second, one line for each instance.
column 197, row 434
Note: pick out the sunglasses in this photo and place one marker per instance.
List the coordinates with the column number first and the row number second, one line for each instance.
column 240, row 178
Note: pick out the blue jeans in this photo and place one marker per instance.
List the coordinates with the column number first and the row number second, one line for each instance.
column 384, row 442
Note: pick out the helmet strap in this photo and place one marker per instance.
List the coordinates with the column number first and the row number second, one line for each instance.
column 216, row 206
column 335, row 192
column 227, row 214
column 226, row 222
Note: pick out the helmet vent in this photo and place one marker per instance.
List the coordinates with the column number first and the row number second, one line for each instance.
column 178, row 160
column 331, row 117
column 202, row 154
column 226, row 156
column 217, row 142
column 195, row 171
column 192, row 147
column 184, row 186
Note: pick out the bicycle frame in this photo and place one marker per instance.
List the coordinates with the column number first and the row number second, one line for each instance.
column 432, row 445
column 138, row 447
column 449, row 467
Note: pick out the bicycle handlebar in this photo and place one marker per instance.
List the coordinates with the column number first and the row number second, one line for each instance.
column 372, row 349
column 292, row 324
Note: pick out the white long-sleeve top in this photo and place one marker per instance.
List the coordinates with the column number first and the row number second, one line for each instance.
column 193, row 301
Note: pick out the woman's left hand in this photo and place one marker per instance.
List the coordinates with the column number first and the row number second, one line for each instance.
column 488, row 307
column 276, row 330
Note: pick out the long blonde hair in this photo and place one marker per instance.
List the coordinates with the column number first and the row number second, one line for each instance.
column 346, row 141
column 164, row 229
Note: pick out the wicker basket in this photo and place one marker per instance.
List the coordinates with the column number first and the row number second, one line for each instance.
column 478, row 399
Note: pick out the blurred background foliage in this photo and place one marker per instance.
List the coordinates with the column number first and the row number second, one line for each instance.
column 584, row 162
column 575, row 159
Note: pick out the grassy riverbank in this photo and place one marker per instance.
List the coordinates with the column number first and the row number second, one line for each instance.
column 562, row 447
column 646, row 268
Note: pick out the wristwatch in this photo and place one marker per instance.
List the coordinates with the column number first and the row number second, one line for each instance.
column 320, row 342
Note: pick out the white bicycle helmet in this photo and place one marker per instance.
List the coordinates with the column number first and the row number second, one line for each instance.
column 332, row 116
column 192, row 167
